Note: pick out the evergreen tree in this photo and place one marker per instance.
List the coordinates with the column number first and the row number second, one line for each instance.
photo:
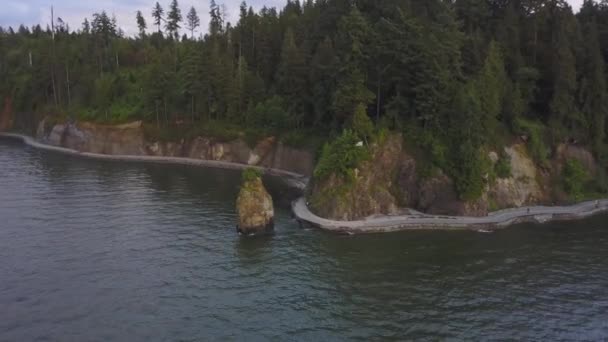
column 141, row 24
column 291, row 76
column 362, row 125
column 353, row 35
column 322, row 78
column 216, row 21
column 593, row 90
column 174, row 17
column 86, row 27
column 491, row 89
column 565, row 117
column 193, row 21
column 157, row 14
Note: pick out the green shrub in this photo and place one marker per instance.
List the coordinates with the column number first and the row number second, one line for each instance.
column 341, row 156
column 362, row 124
column 535, row 131
column 574, row 178
column 428, row 148
column 503, row 166
column 250, row 174
column 467, row 170
column 271, row 113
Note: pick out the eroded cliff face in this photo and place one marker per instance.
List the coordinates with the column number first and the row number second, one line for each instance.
column 129, row 139
column 523, row 187
column 389, row 182
column 368, row 192
column 254, row 208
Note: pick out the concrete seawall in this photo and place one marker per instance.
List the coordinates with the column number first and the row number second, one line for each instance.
column 294, row 179
column 495, row 220
column 377, row 224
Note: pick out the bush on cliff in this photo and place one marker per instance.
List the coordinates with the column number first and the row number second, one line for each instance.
column 250, row 174
column 536, row 145
column 574, row 178
column 503, row 165
column 341, row 156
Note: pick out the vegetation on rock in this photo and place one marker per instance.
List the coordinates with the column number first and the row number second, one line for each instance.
column 574, row 178
column 250, row 175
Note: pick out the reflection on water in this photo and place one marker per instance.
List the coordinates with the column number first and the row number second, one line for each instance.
column 102, row 251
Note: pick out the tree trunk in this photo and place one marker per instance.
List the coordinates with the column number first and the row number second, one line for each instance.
column 157, row 119
column 378, row 100
column 166, row 117
column 192, row 108
column 67, row 75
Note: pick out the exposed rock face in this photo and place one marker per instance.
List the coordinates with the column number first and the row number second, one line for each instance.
column 85, row 137
column 565, row 152
column 387, row 183
column 522, row 187
column 437, row 196
column 368, row 193
column 129, row 139
column 254, row 208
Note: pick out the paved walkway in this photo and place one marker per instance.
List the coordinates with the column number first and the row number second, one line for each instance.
column 494, row 220
column 375, row 224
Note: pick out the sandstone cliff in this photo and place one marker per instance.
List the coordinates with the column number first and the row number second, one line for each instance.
column 130, row 139
column 254, row 208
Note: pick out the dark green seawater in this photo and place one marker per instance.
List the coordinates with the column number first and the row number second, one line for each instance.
column 103, row 251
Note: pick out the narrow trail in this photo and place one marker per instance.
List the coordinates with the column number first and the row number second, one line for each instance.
column 495, row 220
column 376, row 224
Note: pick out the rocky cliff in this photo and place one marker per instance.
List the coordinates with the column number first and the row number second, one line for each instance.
column 129, row 139
column 254, row 208
column 390, row 181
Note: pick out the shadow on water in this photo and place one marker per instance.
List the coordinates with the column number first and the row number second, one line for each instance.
column 253, row 250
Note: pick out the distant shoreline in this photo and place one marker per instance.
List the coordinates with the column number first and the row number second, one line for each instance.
column 376, row 224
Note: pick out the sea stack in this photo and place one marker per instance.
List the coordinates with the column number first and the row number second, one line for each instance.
column 254, row 205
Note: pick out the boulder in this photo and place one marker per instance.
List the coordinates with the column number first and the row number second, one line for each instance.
column 254, row 206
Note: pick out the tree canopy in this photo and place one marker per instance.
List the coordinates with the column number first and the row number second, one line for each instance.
column 459, row 75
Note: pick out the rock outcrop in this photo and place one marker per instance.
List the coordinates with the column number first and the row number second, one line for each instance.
column 565, row 152
column 254, row 208
column 389, row 182
column 386, row 184
column 522, row 187
column 368, row 192
column 129, row 139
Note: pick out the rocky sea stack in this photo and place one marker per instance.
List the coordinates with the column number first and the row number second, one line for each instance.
column 254, row 205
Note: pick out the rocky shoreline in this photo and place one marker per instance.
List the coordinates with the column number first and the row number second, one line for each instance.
column 375, row 224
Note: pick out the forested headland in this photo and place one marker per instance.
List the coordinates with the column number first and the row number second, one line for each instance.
column 456, row 77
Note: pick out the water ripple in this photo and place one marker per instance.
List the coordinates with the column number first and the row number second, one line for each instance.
column 103, row 251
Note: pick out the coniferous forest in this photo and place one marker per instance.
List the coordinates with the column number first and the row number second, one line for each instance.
column 454, row 76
